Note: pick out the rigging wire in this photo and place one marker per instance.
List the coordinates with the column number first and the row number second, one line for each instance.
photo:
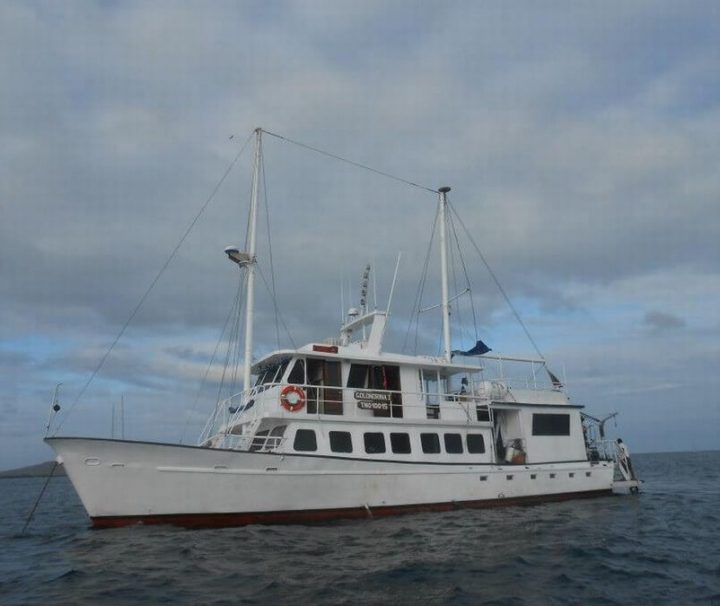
column 456, row 296
column 270, row 252
column 415, row 313
column 351, row 162
column 238, row 295
column 154, row 282
column 232, row 353
column 497, row 282
column 279, row 313
column 467, row 275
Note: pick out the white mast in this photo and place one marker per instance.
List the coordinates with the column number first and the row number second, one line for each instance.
column 445, row 306
column 250, row 303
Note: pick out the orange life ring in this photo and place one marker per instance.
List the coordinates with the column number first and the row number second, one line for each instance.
column 292, row 398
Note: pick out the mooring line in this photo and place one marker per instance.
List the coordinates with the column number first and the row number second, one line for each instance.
column 40, row 496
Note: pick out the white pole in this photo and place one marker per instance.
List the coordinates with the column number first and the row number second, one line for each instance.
column 251, row 265
column 444, row 272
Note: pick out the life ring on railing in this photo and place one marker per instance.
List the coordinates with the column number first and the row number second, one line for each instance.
column 292, row 398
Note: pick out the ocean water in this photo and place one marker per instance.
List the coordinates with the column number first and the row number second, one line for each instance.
column 660, row 547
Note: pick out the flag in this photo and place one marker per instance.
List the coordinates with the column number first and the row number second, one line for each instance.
column 557, row 383
column 479, row 349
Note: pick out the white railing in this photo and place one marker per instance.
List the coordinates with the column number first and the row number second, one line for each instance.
column 245, row 407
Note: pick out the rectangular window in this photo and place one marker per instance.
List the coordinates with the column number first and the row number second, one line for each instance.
column 323, row 395
column 475, row 443
column 550, row 425
column 533, row 476
column 483, row 413
column 357, row 377
column 259, row 440
column 430, row 443
column 340, row 441
column 453, row 443
column 483, row 478
column 275, row 436
column 305, row 440
column 374, row 443
column 297, row 374
column 400, row 443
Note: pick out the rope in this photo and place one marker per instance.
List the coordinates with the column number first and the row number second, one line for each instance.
column 152, row 284
column 37, row 501
column 415, row 313
column 277, row 309
column 467, row 276
column 212, row 360
column 270, row 252
column 497, row 283
column 351, row 162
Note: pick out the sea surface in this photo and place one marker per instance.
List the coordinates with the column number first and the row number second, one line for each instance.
column 660, row 547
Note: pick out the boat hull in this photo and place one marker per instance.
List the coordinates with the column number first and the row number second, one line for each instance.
column 124, row 482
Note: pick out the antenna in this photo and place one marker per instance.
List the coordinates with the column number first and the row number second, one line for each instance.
column 390, row 297
column 342, row 299
column 374, row 277
column 122, row 416
column 364, row 289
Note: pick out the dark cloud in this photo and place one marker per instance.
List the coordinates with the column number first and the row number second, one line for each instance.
column 580, row 142
column 660, row 321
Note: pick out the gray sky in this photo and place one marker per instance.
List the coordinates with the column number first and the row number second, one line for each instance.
column 581, row 140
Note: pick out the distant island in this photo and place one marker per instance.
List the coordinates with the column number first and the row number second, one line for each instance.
column 41, row 470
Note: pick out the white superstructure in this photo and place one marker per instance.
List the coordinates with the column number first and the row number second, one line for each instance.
column 345, row 429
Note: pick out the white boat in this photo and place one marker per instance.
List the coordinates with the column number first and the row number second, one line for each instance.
column 343, row 429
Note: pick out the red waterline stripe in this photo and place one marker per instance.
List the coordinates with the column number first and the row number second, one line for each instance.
column 217, row 520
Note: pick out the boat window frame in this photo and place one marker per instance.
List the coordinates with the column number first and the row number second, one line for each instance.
column 305, row 432
column 397, row 448
column 333, row 435
column 373, row 434
column 458, row 443
column 474, row 436
column 434, row 438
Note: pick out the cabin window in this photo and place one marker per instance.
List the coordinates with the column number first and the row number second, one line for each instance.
column 323, row 393
column 383, row 379
column 340, row 441
column 453, row 443
column 550, row 425
column 475, row 443
column 357, row 376
column 483, row 413
column 305, row 440
column 272, row 374
column 297, row 374
column 430, row 443
column 400, row 443
column 374, row 443
column 259, row 440
column 275, row 436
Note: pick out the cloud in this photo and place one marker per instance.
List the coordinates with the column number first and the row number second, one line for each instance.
column 660, row 321
column 580, row 142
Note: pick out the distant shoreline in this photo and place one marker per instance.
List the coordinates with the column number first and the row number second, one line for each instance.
column 41, row 470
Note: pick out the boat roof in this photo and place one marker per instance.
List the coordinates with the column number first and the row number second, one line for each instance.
column 354, row 354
